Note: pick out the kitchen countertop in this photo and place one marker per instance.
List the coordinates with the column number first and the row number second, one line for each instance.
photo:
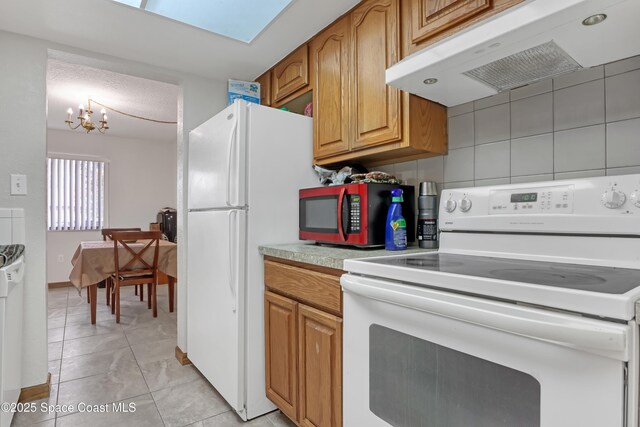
column 327, row 256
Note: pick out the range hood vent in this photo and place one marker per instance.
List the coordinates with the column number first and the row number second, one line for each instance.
column 526, row 43
column 525, row 67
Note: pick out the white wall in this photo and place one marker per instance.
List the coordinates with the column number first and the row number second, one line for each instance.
column 142, row 177
column 201, row 99
column 23, row 150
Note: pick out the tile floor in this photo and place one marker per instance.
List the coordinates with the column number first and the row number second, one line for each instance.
column 130, row 362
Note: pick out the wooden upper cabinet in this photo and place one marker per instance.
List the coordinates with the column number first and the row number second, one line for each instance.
column 265, row 88
column 376, row 106
column 281, row 351
column 428, row 21
column 330, row 51
column 429, row 17
column 290, row 75
column 320, row 363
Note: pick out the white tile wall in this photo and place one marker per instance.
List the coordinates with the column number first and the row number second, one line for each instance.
column 581, row 76
column 459, row 165
column 579, row 149
column 623, row 143
column 493, row 160
column 532, row 155
column 492, row 124
column 580, row 105
column 461, row 132
column 532, row 116
column 623, row 96
column 581, row 124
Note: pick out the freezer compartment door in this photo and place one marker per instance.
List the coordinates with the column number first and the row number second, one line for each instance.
column 215, row 314
column 217, row 160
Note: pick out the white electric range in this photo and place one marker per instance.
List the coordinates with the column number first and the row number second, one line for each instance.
column 524, row 317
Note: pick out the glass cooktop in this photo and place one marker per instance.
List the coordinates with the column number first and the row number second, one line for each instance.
column 608, row 280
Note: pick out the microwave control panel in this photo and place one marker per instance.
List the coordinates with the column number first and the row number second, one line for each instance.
column 354, row 214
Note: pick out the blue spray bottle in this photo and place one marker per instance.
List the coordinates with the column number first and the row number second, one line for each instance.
column 396, row 233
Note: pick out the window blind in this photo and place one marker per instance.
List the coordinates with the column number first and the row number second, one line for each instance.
column 75, row 194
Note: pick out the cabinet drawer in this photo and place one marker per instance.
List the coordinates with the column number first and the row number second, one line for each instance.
column 311, row 287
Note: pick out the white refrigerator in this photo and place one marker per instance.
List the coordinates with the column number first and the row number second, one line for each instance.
column 246, row 165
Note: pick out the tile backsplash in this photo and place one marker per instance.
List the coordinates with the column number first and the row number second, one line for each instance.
column 581, row 124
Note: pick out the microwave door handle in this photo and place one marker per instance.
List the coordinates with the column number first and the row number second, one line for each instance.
column 341, row 227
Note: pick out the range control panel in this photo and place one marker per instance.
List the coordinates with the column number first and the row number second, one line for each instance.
column 532, row 200
column 597, row 205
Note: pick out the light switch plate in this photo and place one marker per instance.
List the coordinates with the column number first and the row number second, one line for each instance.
column 18, row 185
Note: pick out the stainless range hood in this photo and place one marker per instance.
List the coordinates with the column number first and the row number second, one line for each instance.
column 535, row 40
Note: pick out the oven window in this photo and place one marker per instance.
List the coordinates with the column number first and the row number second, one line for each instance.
column 319, row 214
column 413, row 382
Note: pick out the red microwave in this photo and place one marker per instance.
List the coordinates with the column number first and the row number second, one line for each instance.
column 352, row 214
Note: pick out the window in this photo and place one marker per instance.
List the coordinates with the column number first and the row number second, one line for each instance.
column 241, row 20
column 75, row 194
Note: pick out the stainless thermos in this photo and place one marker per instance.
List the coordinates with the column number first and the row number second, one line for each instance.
column 427, row 233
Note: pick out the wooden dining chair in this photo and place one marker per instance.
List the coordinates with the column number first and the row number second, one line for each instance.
column 137, row 270
column 106, row 235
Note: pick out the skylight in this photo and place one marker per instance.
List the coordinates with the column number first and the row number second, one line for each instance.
column 238, row 19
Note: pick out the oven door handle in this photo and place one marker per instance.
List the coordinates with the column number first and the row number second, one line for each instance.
column 594, row 336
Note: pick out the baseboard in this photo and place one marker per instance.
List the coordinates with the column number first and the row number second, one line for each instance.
column 56, row 285
column 182, row 357
column 36, row 392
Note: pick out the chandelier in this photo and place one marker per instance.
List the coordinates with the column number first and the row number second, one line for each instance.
column 86, row 122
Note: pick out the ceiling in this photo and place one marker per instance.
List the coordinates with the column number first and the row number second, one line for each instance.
column 118, row 30
column 69, row 85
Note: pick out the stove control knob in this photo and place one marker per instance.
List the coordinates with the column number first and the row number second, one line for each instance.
column 635, row 198
column 450, row 205
column 613, row 198
column 465, row 204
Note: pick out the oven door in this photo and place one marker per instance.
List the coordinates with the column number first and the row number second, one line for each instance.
column 420, row 357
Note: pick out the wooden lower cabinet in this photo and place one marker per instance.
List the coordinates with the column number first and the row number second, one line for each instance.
column 320, row 368
column 281, row 344
column 303, row 346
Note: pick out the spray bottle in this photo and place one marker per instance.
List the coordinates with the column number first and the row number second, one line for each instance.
column 396, row 232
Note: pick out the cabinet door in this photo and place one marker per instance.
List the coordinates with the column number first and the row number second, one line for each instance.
column 320, row 364
column 330, row 69
column 290, row 74
column 265, row 88
column 376, row 107
column 280, row 352
column 430, row 17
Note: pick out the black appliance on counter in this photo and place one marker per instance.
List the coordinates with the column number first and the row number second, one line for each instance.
column 168, row 220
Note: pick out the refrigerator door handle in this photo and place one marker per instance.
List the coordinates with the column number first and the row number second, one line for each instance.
column 232, row 140
column 232, row 215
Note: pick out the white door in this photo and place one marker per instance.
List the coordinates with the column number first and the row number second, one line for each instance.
column 215, row 315
column 416, row 356
column 217, row 160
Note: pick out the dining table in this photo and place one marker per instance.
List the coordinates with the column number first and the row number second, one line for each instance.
column 94, row 262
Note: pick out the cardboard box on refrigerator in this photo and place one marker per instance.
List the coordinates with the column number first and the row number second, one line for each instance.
column 249, row 91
